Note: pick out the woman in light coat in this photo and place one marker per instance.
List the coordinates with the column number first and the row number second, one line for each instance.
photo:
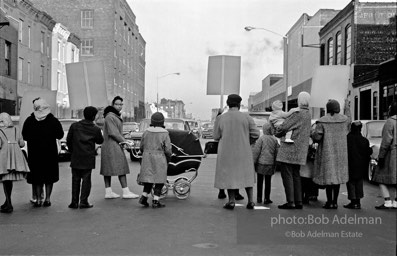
column 330, row 163
column 113, row 160
column 235, row 165
column 386, row 173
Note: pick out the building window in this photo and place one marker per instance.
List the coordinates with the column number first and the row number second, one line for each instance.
column 59, row 51
column 29, row 73
column 42, row 42
column 29, row 36
column 348, row 44
column 87, row 47
column 20, row 69
column 330, row 51
column 7, row 57
column 48, row 45
column 42, row 75
column 338, row 48
column 72, row 55
column 87, row 19
column 59, row 82
column 20, row 31
column 375, row 106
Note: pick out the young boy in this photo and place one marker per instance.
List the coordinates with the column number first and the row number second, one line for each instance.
column 81, row 140
column 156, row 149
column 278, row 116
column 358, row 152
column 264, row 153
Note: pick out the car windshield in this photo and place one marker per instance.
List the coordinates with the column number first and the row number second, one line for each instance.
column 169, row 124
column 192, row 124
column 208, row 126
column 374, row 129
column 130, row 127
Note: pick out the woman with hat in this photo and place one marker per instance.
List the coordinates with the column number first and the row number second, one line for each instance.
column 235, row 164
column 156, row 149
column 41, row 131
column 331, row 161
column 113, row 160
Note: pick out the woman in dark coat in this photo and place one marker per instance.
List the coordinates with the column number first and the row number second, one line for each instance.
column 41, row 131
column 359, row 153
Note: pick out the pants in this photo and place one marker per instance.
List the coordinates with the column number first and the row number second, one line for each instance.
column 292, row 182
column 355, row 189
column 83, row 177
column 147, row 188
column 259, row 186
column 309, row 188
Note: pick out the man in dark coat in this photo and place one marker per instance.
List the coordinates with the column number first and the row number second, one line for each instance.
column 41, row 131
column 81, row 140
column 359, row 152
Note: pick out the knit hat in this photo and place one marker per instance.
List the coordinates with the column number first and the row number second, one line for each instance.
column 157, row 119
column 90, row 113
column 233, row 100
column 277, row 105
column 356, row 126
column 333, row 107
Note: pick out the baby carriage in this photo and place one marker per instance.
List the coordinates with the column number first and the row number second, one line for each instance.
column 186, row 158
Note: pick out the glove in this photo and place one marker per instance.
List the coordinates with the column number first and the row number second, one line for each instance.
column 381, row 162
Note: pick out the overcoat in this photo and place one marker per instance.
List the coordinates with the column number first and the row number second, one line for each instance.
column 156, row 148
column 41, row 137
column 388, row 151
column 12, row 158
column 113, row 160
column 359, row 155
column 234, row 164
column 330, row 163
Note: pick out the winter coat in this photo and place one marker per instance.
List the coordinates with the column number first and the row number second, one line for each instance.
column 41, row 138
column 300, row 124
column 156, row 148
column 388, row 151
column 265, row 150
column 330, row 163
column 81, row 140
column 113, row 160
column 234, row 164
column 359, row 154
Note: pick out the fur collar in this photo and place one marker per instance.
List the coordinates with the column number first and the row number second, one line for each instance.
column 156, row 129
column 111, row 109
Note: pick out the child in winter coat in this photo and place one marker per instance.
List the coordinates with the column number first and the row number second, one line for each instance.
column 358, row 153
column 156, row 149
column 264, row 153
column 278, row 116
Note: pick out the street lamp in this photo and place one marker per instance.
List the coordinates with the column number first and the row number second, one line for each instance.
column 285, row 66
column 176, row 73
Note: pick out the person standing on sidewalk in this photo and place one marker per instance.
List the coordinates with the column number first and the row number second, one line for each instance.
column 81, row 140
column 235, row 164
column 386, row 173
column 359, row 154
column 291, row 156
column 156, row 149
column 113, row 160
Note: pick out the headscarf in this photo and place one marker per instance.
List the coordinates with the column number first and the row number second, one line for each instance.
column 5, row 120
column 41, row 109
column 303, row 99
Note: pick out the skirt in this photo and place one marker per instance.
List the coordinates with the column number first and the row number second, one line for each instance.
column 13, row 176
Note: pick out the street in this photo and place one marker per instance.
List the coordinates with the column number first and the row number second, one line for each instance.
column 195, row 226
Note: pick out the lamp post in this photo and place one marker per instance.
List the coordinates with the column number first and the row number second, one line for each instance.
column 285, row 66
column 176, row 73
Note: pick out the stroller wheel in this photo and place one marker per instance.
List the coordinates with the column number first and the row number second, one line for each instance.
column 182, row 188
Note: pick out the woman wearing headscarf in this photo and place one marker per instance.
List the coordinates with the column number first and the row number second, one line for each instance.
column 291, row 156
column 13, row 165
column 386, row 173
column 113, row 160
column 331, row 160
column 41, row 131
column 235, row 164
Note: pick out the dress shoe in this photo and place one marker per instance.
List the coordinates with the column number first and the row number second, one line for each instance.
column 352, row 206
column 143, row 201
column 3, row 206
column 73, row 206
column 221, row 194
column 286, row 206
column 383, row 207
column 327, row 205
column 267, row 201
column 157, row 204
column 46, row 204
column 334, row 206
column 299, row 206
column 85, row 206
column 37, row 204
column 229, row 205
column 239, row 197
column 251, row 205
column 7, row 209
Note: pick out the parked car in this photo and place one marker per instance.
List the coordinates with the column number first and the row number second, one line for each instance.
column 128, row 128
column 207, row 130
column 136, row 137
column 194, row 127
column 63, row 151
column 372, row 130
column 260, row 118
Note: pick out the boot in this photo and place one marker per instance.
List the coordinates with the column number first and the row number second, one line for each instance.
column 143, row 201
column 157, row 204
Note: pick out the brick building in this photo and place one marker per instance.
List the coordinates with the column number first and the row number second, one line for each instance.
column 173, row 108
column 108, row 32
column 362, row 35
column 8, row 65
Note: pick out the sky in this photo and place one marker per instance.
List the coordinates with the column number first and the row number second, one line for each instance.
column 180, row 35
